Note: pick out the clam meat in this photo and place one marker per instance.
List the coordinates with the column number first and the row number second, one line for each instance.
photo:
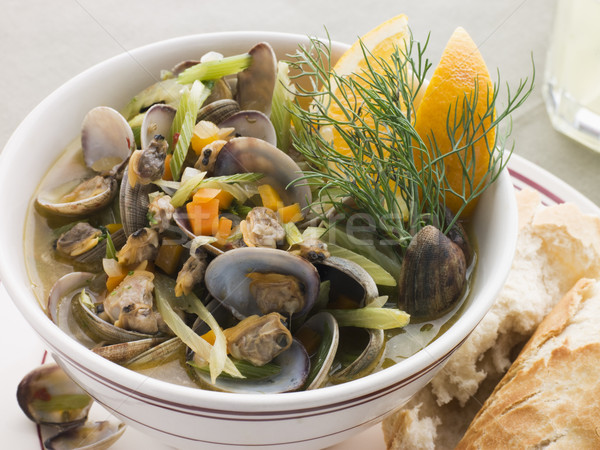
column 258, row 339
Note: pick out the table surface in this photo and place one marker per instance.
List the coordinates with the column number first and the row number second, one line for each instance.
column 43, row 44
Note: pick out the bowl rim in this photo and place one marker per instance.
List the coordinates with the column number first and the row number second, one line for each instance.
column 195, row 400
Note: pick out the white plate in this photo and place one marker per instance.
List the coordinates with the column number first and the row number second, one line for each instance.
column 22, row 350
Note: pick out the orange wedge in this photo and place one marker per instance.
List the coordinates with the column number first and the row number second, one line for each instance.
column 380, row 42
column 460, row 70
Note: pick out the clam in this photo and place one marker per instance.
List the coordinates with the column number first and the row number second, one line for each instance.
column 99, row 329
column 96, row 254
column 89, row 436
column 258, row 339
column 124, row 352
column 358, row 351
column 80, row 239
column 229, row 279
column 218, row 110
column 48, row 396
column 349, row 281
column 247, row 154
column 133, row 204
column 433, row 274
column 251, row 124
column 79, row 199
column 320, row 337
column 60, row 298
column 255, row 84
column 293, row 370
column 221, row 91
column 157, row 121
column 107, row 142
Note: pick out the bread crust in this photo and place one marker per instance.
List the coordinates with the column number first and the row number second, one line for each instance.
column 550, row 396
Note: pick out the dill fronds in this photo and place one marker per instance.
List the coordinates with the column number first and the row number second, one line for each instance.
column 390, row 173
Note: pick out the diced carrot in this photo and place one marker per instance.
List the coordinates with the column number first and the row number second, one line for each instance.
column 167, row 175
column 225, row 199
column 204, row 217
column 224, row 230
column 270, row 197
column 168, row 257
column 112, row 227
column 113, row 282
column 291, row 213
column 203, row 195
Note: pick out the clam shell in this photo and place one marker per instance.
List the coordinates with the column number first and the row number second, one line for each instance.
column 247, row 154
column 158, row 120
column 255, row 84
column 96, row 254
column 133, row 204
column 294, row 364
column 433, row 274
column 124, row 352
column 106, row 140
column 47, row 202
column 226, row 278
column 100, row 330
column 318, row 376
column 89, row 436
column 53, row 382
column 251, row 124
column 369, row 356
column 218, row 111
column 349, row 278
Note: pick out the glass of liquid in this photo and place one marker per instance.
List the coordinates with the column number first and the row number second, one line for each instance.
column 572, row 78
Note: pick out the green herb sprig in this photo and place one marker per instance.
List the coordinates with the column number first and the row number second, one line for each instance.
column 389, row 172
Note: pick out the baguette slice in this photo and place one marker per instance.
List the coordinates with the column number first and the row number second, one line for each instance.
column 550, row 396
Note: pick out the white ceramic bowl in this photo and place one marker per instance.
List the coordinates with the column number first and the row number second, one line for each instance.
column 187, row 417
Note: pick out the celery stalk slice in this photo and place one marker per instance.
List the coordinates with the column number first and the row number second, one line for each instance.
column 381, row 276
column 376, row 318
column 184, row 122
column 216, row 355
column 283, row 98
column 213, row 70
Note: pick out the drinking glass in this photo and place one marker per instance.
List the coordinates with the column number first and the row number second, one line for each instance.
column 572, row 78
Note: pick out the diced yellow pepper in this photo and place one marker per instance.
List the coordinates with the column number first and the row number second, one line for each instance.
column 168, row 257
column 270, row 197
column 205, row 133
column 225, row 199
column 291, row 213
column 113, row 227
column 204, row 195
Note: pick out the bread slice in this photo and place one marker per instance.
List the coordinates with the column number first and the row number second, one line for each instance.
column 557, row 246
column 550, row 396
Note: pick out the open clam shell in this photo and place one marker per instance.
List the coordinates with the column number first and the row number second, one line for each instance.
column 324, row 328
column 247, row 155
column 44, row 388
column 100, row 330
column 255, row 84
column 157, row 121
column 348, row 279
column 227, row 278
column 251, row 124
column 106, row 140
column 294, row 365
column 89, row 436
column 50, row 201
column 368, row 343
